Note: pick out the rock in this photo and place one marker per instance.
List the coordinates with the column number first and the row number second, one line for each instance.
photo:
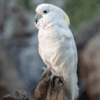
column 51, row 90
column 90, row 67
column 16, row 95
column 3, row 91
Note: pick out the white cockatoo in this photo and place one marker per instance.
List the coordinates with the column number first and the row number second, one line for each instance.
column 56, row 44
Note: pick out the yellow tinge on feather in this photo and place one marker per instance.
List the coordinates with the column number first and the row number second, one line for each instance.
column 66, row 18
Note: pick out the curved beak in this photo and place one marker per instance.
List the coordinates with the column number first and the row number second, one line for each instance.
column 37, row 17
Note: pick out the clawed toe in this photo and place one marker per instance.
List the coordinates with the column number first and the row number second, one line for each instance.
column 53, row 80
column 43, row 69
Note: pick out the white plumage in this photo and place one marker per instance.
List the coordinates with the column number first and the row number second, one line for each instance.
column 56, row 44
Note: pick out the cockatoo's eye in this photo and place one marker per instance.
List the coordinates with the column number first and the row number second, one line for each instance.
column 45, row 11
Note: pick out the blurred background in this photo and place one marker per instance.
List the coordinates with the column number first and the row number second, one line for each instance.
column 20, row 63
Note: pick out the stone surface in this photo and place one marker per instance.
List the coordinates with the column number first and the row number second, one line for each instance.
column 17, row 95
column 51, row 90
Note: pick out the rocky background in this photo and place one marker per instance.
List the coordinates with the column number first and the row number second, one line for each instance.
column 20, row 63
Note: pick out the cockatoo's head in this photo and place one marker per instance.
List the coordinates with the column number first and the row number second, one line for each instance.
column 48, row 13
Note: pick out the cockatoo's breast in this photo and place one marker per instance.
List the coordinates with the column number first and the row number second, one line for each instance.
column 51, row 39
column 48, row 43
column 55, row 48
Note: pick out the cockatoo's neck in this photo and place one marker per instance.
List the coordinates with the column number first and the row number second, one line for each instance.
column 60, row 24
column 53, row 30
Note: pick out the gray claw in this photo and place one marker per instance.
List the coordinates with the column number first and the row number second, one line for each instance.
column 52, row 79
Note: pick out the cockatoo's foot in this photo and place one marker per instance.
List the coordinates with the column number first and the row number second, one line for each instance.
column 52, row 79
column 46, row 71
